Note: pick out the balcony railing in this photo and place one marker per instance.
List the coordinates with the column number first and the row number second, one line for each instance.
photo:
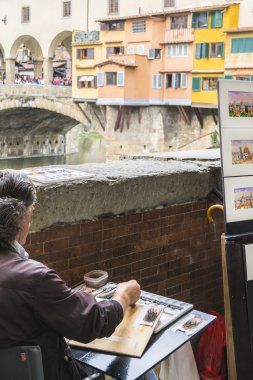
column 179, row 35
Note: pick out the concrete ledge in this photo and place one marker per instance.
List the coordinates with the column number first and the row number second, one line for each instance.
column 121, row 187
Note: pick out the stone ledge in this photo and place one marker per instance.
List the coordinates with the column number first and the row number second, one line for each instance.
column 121, row 187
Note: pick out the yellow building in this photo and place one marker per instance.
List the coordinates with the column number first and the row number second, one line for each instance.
column 239, row 54
column 89, row 49
column 209, row 50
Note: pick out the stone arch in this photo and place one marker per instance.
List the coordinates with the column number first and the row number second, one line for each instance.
column 31, row 43
column 64, row 37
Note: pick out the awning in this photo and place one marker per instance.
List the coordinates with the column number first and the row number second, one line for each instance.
column 86, row 78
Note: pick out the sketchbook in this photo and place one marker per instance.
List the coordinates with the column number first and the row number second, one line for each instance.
column 132, row 334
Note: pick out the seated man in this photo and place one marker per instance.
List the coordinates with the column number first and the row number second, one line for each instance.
column 37, row 307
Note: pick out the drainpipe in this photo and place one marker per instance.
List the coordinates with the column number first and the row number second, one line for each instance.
column 87, row 15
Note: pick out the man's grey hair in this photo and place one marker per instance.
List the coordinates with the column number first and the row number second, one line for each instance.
column 12, row 213
column 15, row 184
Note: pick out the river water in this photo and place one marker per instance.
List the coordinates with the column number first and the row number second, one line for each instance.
column 91, row 149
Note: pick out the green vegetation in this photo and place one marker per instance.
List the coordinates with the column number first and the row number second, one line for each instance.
column 215, row 139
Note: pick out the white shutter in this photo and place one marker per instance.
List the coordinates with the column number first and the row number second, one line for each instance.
column 159, row 81
column 130, row 50
column 174, row 78
column 151, row 53
column 100, row 79
column 169, row 51
column 183, row 80
column 185, row 50
column 154, row 81
column 120, row 78
column 140, row 49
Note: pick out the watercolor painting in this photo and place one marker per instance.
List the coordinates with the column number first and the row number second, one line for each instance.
column 242, row 152
column 240, row 103
column 243, row 198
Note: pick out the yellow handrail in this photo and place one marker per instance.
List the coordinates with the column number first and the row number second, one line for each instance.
column 210, row 209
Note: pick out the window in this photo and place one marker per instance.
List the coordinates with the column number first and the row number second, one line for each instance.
column 66, row 8
column 217, row 50
column 209, row 84
column 169, row 3
column 85, row 53
column 120, row 25
column 154, row 53
column 114, row 50
column 130, row 50
column 140, row 49
column 25, row 14
column 242, row 45
column 113, row 7
column 176, row 80
column 139, row 26
column 111, row 79
column 157, row 81
column 200, row 20
column 87, row 81
column 216, row 19
column 202, row 50
column 243, row 77
column 178, row 50
column 196, row 84
column 178, row 22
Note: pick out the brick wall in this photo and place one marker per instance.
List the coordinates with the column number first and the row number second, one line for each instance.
column 172, row 251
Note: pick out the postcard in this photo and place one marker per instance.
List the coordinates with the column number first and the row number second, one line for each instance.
column 235, row 103
column 51, row 174
column 189, row 324
column 237, row 151
column 238, row 198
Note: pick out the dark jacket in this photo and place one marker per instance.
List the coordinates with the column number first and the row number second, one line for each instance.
column 37, row 307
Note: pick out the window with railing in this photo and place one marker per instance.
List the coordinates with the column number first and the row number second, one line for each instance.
column 87, row 81
column 178, row 22
column 176, row 80
column 217, row 50
column 200, row 20
column 139, row 26
column 177, row 50
column 113, row 7
column 66, row 10
column 169, row 3
column 120, row 25
column 210, row 84
column 25, row 14
column 85, row 53
column 114, row 50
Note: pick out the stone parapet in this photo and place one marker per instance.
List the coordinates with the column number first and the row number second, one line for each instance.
column 123, row 187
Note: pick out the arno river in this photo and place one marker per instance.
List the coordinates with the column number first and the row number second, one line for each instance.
column 90, row 150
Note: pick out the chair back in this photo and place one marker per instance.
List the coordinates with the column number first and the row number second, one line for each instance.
column 21, row 363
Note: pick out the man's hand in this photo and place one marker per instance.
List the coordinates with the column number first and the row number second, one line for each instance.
column 127, row 293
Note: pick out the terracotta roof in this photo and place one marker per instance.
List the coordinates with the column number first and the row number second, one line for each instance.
column 240, row 30
column 114, row 61
column 169, row 12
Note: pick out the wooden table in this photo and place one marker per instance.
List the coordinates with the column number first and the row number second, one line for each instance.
column 160, row 346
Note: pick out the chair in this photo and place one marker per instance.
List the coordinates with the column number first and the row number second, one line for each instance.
column 21, row 363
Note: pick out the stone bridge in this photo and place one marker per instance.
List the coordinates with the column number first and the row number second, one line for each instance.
column 38, row 114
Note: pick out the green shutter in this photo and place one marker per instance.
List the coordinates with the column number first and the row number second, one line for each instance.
column 235, row 45
column 228, row 76
column 194, row 20
column 251, row 77
column 196, row 84
column 216, row 19
column 205, row 50
column 198, row 51
column 222, row 49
